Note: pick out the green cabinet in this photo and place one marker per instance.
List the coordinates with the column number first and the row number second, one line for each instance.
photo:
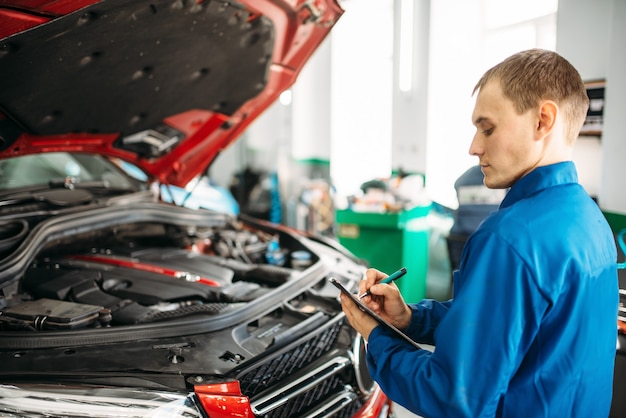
column 388, row 241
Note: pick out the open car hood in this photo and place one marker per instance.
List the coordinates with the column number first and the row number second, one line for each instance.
column 165, row 85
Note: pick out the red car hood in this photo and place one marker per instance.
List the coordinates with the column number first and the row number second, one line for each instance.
column 165, row 85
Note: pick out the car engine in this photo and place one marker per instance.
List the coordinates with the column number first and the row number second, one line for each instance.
column 185, row 297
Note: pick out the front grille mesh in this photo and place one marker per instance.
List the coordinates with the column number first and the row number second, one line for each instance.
column 271, row 373
column 314, row 398
column 349, row 410
column 276, row 370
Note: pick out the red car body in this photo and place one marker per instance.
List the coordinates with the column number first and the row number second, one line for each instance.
column 300, row 26
column 124, row 79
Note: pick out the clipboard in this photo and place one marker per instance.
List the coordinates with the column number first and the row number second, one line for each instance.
column 373, row 314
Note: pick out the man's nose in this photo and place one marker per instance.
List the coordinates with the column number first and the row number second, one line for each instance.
column 476, row 147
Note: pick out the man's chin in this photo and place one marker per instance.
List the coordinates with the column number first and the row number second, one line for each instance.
column 492, row 183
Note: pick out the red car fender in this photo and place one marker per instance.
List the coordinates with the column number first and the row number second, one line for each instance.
column 378, row 405
column 225, row 400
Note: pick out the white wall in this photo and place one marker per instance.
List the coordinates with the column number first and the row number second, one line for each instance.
column 455, row 65
column 592, row 35
column 310, row 107
column 361, row 74
column 587, row 49
column 409, row 108
column 583, row 35
column 612, row 195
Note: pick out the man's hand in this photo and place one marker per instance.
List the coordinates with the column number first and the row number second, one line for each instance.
column 360, row 321
column 385, row 300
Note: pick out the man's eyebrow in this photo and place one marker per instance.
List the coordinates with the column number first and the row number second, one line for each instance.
column 480, row 120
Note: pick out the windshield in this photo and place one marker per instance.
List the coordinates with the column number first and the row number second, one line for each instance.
column 44, row 169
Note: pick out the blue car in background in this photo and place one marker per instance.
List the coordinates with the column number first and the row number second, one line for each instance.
column 199, row 193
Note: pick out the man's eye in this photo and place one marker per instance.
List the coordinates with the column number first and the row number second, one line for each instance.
column 488, row 132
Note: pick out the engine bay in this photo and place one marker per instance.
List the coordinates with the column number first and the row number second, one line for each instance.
column 149, row 272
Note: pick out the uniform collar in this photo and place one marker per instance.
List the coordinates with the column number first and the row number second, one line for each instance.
column 539, row 179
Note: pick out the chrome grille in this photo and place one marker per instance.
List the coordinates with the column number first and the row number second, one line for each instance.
column 313, row 379
column 328, row 399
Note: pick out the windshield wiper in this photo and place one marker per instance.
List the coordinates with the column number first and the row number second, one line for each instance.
column 56, row 197
column 71, row 183
column 63, row 191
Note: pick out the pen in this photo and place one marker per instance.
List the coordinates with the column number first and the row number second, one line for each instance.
column 388, row 279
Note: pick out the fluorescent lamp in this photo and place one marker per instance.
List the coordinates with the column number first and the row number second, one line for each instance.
column 285, row 98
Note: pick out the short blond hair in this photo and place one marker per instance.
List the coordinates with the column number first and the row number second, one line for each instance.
column 531, row 76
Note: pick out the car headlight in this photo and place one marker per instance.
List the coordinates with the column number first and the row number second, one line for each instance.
column 56, row 401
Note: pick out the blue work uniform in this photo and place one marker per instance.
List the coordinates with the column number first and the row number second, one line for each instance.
column 532, row 328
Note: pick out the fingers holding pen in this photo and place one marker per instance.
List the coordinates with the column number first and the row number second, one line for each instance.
column 379, row 278
column 385, row 299
column 372, row 277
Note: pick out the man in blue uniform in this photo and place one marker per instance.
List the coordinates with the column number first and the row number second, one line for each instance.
column 531, row 331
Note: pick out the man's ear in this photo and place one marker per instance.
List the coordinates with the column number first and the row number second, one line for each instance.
column 548, row 111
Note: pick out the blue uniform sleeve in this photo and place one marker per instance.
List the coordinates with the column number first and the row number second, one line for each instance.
column 480, row 338
column 424, row 320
